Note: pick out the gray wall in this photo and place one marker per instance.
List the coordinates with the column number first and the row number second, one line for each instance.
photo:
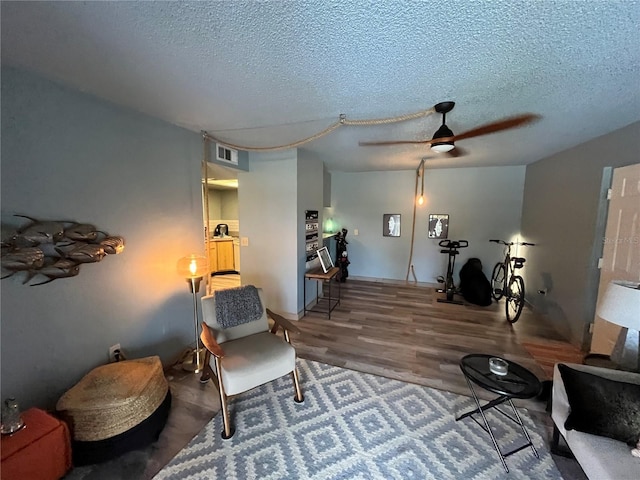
column 267, row 204
column 215, row 203
column 482, row 203
column 311, row 190
column 560, row 214
column 229, row 204
column 67, row 155
column 223, row 204
column 272, row 199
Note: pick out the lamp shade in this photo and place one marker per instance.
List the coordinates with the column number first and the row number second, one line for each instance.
column 192, row 266
column 621, row 304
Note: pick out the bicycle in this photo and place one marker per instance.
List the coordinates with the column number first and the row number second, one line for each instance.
column 504, row 281
column 452, row 250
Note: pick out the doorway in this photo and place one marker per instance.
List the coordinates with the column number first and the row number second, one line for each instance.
column 620, row 255
column 221, row 225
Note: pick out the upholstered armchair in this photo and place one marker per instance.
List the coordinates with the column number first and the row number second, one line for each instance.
column 242, row 352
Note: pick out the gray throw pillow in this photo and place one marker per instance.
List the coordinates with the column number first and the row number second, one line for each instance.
column 602, row 406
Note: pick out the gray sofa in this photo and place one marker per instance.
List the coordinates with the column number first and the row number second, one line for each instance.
column 601, row 458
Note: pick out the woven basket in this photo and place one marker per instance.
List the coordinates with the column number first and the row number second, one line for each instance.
column 114, row 398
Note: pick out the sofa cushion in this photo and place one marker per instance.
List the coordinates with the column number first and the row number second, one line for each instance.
column 602, row 406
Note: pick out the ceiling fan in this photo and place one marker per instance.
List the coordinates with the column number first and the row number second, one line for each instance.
column 444, row 139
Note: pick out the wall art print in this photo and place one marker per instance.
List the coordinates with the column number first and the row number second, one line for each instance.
column 438, row 226
column 53, row 249
column 391, row 225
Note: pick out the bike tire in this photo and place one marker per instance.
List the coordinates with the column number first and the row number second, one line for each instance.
column 514, row 299
column 498, row 281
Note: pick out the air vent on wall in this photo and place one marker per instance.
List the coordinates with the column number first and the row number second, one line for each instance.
column 226, row 155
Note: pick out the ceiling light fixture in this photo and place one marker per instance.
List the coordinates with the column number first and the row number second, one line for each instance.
column 443, row 132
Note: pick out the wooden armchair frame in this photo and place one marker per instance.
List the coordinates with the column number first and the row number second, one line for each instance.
column 213, row 348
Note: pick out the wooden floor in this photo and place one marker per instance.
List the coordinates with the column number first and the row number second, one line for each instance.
column 390, row 329
column 401, row 331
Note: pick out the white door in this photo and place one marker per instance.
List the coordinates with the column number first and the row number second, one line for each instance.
column 621, row 252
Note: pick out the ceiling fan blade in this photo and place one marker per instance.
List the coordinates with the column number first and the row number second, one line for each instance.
column 506, row 124
column 392, row 142
column 493, row 127
column 457, row 152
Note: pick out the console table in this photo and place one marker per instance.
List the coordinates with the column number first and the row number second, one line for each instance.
column 321, row 277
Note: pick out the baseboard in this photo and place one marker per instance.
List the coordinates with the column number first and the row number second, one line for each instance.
column 393, row 281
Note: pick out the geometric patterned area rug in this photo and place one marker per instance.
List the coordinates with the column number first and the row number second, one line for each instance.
column 354, row 425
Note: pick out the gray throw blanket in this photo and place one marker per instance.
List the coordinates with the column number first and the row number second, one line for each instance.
column 236, row 306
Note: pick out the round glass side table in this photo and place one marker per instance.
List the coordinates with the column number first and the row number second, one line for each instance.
column 517, row 382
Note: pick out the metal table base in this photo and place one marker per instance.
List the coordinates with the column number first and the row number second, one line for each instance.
column 320, row 277
column 487, row 428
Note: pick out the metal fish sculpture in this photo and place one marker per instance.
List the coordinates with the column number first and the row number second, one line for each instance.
column 38, row 232
column 81, row 232
column 83, row 253
column 63, row 268
column 7, row 232
column 24, row 259
column 113, row 245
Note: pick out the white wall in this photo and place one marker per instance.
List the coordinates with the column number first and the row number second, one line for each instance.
column 70, row 156
column 267, row 206
column 482, row 203
column 562, row 198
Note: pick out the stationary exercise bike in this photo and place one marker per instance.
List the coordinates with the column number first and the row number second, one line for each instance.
column 450, row 247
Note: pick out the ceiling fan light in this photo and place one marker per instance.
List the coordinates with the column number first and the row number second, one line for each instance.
column 442, row 147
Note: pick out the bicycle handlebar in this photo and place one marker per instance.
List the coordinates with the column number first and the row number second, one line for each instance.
column 514, row 243
column 453, row 243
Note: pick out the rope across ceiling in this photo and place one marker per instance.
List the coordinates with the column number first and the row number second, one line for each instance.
column 342, row 120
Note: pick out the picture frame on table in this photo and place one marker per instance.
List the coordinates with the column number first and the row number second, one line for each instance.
column 325, row 259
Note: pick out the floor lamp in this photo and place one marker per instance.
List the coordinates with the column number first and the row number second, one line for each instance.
column 193, row 268
column 621, row 305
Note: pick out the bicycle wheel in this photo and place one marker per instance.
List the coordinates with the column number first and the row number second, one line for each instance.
column 514, row 299
column 498, row 281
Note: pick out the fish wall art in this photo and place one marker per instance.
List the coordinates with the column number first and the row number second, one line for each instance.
column 45, row 250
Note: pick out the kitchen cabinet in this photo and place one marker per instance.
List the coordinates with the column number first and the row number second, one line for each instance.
column 221, row 254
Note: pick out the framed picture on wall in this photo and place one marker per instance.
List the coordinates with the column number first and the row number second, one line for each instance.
column 438, row 225
column 391, row 225
column 311, row 234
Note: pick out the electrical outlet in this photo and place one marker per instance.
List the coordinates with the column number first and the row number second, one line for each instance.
column 356, row 232
column 113, row 349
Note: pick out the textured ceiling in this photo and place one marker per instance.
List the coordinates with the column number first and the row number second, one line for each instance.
column 270, row 73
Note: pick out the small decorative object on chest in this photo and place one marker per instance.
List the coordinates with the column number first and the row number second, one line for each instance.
column 11, row 419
